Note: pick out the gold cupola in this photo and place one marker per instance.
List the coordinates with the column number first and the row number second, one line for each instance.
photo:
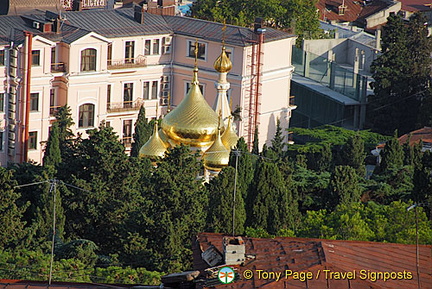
column 193, row 122
column 223, row 64
column 154, row 147
column 229, row 137
column 217, row 156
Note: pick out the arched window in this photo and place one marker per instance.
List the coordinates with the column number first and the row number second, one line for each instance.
column 86, row 115
column 88, row 59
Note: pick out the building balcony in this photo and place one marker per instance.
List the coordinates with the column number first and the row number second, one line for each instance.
column 58, row 67
column 139, row 61
column 54, row 109
column 127, row 141
column 124, row 106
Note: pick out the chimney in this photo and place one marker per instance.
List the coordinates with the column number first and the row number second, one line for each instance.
column 234, row 250
column 77, row 5
column 139, row 14
column 258, row 24
column 378, row 38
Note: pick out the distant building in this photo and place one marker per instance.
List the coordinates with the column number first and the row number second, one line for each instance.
column 106, row 63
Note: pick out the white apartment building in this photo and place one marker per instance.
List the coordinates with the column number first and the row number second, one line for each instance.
column 106, row 64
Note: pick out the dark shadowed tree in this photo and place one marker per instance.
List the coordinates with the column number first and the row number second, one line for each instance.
column 221, row 204
column 143, row 131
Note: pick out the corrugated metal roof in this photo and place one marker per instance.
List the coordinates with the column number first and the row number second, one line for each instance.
column 117, row 23
column 316, row 255
column 121, row 23
column 212, row 31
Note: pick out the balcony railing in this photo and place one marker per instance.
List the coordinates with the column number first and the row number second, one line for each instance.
column 54, row 109
column 58, row 67
column 139, row 61
column 127, row 141
column 124, row 106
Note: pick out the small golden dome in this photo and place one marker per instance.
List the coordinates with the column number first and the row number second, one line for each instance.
column 217, row 156
column 229, row 137
column 223, row 63
column 193, row 122
column 154, row 147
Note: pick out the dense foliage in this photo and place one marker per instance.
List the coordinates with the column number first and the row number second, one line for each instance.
column 300, row 16
column 120, row 219
column 401, row 74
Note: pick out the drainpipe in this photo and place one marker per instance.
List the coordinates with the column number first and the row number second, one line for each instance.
column 26, row 104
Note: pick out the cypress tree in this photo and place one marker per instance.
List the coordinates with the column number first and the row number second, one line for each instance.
column 52, row 155
column 353, row 154
column 143, row 131
column 277, row 142
column 392, row 155
column 221, row 194
column 245, row 167
column 272, row 206
column 344, row 186
column 12, row 226
column 177, row 210
column 255, row 144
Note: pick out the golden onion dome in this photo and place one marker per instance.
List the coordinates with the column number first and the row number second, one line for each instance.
column 229, row 137
column 217, row 156
column 193, row 122
column 154, row 147
column 223, row 63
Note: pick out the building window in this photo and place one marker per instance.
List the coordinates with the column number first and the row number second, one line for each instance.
column 147, row 46
column 201, row 50
column 53, row 102
column 127, row 132
column 34, row 101
column 2, row 57
column 146, row 90
column 109, row 96
column 156, row 43
column 154, row 92
column 109, row 56
column 88, row 59
column 166, row 45
column 1, row 140
column 53, row 55
column 86, row 115
column 32, row 140
column 2, row 102
column 108, row 123
column 35, row 57
column 129, row 51
column 188, row 86
column 127, row 94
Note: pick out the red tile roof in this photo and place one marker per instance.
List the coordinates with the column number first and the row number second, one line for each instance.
column 355, row 10
column 423, row 134
column 317, row 255
column 416, row 5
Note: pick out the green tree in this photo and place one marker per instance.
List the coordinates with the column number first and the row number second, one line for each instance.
column 245, row 167
column 344, row 186
column 255, row 144
column 277, row 142
column 106, row 191
column 401, row 75
column 221, row 204
column 353, row 154
column 272, row 206
column 143, row 131
column 12, row 226
column 52, row 155
column 177, row 210
column 392, row 155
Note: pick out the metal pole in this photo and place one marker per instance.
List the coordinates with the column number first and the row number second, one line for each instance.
column 53, row 187
column 417, row 250
column 235, row 192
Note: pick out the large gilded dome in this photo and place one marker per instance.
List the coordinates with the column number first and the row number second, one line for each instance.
column 193, row 122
